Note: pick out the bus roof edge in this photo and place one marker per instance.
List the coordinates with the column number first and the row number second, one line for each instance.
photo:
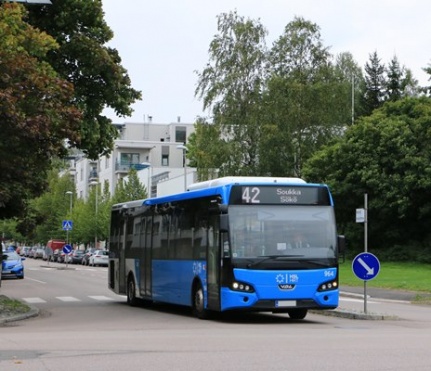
column 245, row 180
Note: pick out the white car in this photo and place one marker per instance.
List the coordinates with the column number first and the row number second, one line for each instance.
column 99, row 257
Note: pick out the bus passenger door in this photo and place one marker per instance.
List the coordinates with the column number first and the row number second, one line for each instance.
column 147, row 272
column 122, row 256
column 213, row 265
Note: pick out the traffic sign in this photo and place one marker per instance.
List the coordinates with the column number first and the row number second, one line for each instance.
column 366, row 266
column 67, row 225
column 67, row 249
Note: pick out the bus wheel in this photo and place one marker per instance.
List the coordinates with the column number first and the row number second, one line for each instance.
column 131, row 292
column 198, row 303
column 297, row 313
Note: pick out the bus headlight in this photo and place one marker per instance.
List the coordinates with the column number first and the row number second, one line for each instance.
column 327, row 286
column 241, row 286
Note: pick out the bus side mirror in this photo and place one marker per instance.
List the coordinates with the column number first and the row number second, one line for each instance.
column 224, row 223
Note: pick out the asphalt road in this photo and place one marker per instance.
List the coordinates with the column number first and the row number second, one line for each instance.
column 84, row 326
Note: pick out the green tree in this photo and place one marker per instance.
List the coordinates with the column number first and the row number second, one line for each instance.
column 386, row 155
column 375, row 81
column 400, row 82
column 93, row 68
column 37, row 114
column 394, row 80
column 427, row 89
column 307, row 100
column 231, row 85
column 130, row 189
column 352, row 84
column 51, row 208
column 206, row 149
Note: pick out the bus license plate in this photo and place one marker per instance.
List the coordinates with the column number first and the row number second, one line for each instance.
column 285, row 303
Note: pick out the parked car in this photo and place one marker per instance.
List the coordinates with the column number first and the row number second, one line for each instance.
column 86, row 257
column 75, row 257
column 38, row 254
column 61, row 257
column 55, row 255
column 32, row 252
column 12, row 265
column 99, row 257
column 24, row 251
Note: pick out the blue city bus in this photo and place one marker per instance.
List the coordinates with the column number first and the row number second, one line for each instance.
column 229, row 244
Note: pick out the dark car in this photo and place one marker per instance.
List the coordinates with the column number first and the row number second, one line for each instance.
column 12, row 265
column 75, row 257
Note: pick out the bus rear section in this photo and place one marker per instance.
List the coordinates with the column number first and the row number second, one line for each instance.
column 245, row 245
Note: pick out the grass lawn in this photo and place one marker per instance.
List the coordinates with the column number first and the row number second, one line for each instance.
column 400, row 276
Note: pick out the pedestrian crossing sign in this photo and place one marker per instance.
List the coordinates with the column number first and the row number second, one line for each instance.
column 67, row 225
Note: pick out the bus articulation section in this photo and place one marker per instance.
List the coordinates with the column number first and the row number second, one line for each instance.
column 230, row 244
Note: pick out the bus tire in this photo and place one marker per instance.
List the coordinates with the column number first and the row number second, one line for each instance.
column 198, row 303
column 131, row 292
column 297, row 313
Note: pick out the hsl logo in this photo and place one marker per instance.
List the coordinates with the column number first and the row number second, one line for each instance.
column 286, row 278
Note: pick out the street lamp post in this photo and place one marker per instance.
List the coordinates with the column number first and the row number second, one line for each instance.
column 96, row 184
column 184, row 149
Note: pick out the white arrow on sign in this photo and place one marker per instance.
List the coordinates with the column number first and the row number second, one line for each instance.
column 370, row 271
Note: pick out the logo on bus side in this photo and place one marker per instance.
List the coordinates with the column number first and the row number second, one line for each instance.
column 198, row 267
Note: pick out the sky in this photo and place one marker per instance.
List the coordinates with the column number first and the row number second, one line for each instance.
column 162, row 43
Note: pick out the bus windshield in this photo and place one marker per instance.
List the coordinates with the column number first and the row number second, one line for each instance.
column 307, row 232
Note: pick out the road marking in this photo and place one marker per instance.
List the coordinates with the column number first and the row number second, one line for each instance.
column 37, row 300
column 357, row 300
column 67, row 298
column 32, row 279
column 101, row 298
column 34, row 300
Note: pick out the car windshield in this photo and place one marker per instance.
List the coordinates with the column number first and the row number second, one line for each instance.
column 11, row 256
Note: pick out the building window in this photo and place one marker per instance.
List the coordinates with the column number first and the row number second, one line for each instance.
column 129, row 158
column 180, row 134
column 165, row 160
column 165, row 155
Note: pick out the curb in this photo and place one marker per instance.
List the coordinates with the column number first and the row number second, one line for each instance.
column 33, row 312
column 339, row 312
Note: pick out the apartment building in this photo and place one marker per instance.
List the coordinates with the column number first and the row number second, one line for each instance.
column 156, row 150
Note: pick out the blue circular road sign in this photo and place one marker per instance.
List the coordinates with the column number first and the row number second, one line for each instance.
column 366, row 266
column 67, row 249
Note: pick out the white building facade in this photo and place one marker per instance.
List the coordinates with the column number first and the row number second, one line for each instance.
column 156, row 150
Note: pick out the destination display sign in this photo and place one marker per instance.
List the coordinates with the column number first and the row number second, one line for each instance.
column 275, row 194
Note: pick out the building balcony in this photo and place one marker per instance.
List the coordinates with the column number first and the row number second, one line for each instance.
column 125, row 168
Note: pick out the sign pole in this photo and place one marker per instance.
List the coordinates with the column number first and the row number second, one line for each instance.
column 365, row 245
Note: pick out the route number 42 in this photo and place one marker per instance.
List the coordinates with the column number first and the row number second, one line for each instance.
column 250, row 195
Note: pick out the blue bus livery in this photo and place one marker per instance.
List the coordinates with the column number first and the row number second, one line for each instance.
column 234, row 243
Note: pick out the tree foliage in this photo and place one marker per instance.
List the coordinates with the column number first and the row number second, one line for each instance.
column 386, row 155
column 271, row 109
column 37, row 114
column 93, row 68
column 231, row 84
column 306, row 101
column 130, row 189
column 373, row 97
